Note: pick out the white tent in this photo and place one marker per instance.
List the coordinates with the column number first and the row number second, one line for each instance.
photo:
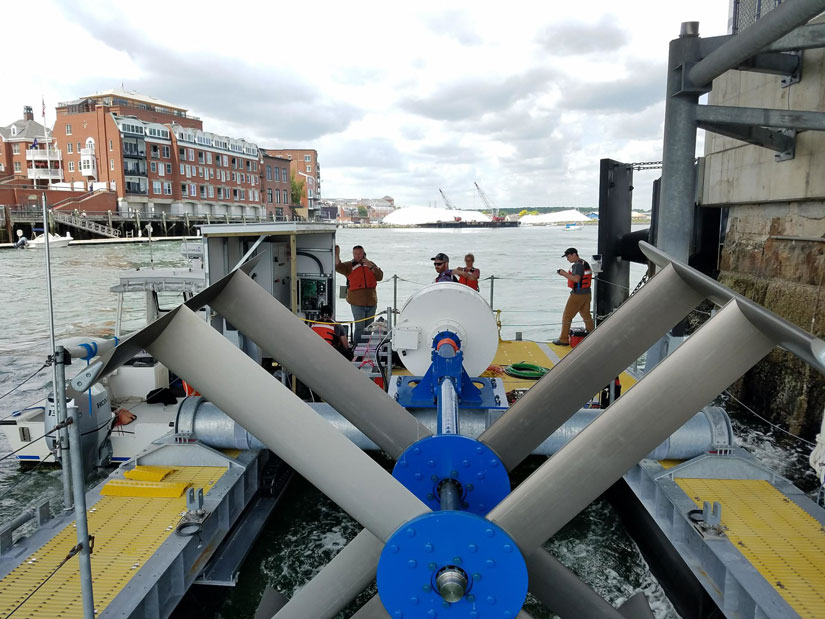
column 414, row 215
column 559, row 217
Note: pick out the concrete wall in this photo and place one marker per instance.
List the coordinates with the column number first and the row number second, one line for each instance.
column 768, row 200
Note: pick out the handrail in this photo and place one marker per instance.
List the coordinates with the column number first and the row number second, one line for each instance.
column 83, row 223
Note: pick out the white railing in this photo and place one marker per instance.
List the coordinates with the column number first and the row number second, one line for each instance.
column 38, row 173
column 41, row 154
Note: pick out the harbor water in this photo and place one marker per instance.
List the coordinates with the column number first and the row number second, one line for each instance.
column 309, row 529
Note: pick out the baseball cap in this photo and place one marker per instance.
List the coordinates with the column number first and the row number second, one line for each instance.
column 568, row 251
column 440, row 257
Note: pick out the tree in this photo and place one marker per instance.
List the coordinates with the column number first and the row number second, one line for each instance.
column 363, row 213
column 296, row 190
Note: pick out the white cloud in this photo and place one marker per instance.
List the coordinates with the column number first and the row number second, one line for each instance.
column 398, row 98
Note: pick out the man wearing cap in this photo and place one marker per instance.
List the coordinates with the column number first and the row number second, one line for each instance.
column 441, row 262
column 362, row 279
column 579, row 279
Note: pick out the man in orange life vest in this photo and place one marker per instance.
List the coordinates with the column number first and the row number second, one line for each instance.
column 362, row 278
column 579, row 279
column 469, row 274
column 335, row 334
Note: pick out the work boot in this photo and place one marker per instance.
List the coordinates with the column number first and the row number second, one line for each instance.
column 560, row 343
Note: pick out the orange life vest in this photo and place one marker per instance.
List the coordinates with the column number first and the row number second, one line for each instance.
column 472, row 283
column 586, row 280
column 361, row 277
column 325, row 331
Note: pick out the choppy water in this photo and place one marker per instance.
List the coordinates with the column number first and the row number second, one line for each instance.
column 309, row 529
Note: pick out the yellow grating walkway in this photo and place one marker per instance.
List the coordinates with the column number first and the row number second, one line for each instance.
column 127, row 532
column 784, row 543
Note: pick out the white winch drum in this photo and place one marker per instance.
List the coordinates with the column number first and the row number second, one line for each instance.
column 446, row 307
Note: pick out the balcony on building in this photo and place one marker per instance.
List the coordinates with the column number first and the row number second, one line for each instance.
column 43, row 154
column 44, row 173
column 137, row 186
column 131, row 169
column 88, row 163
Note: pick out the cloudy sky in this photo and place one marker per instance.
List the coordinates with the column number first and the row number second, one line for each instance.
column 399, row 98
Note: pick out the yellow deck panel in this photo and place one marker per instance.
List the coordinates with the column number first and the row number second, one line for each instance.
column 134, row 488
column 148, row 473
column 127, row 532
column 784, row 543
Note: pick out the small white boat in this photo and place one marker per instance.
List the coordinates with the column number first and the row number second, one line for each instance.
column 573, row 226
column 55, row 240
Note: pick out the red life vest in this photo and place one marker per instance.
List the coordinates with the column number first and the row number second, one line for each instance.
column 361, row 277
column 586, row 280
column 472, row 283
column 325, row 331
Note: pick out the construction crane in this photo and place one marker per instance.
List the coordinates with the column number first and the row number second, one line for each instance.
column 488, row 203
column 447, row 203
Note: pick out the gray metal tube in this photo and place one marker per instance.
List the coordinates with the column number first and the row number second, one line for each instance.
column 277, row 331
column 79, row 491
column 601, row 356
column 777, row 23
column 212, row 426
column 373, row 609
column 678, row 187
column 563, row 592
column 450, row 496
column 240, row 387
column 723, row 349
column 448, row 408
column 348, row 574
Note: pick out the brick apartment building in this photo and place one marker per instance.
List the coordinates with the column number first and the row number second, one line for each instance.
column 304, row 167
column 23, row 154
column 275, row 186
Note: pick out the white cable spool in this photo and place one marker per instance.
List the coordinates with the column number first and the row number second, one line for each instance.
column 446, row 307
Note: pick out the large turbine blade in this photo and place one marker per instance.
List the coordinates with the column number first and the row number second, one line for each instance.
column 563, row 592
column 601, row 356
column 284, row 336
column 282, row 421
column 717, row 354
column 373, row 609
column 338, row 582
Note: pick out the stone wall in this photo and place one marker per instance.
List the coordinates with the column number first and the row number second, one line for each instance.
column 774, row 250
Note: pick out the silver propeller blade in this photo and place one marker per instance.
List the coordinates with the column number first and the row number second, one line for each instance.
column 282, row 421
column 271, row 602
column 598, row 359
column 717, row 354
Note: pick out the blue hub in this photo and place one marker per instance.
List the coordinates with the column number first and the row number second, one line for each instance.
column 481, row 476
column 451, row 565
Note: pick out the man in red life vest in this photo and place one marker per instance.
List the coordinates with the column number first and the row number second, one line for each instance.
column 469, row 275
column 334, row 334
column 579, row 279
column 362, row 278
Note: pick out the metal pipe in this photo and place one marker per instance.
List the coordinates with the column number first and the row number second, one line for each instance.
column 777, row 23
column 450, row 495
column 209, row 425
column 492, row 287
column 285, row 337
column 79, row 491
column 447, row 407
column 598, row 359
column 395, row 293
column 244, row 390
column 723, row 349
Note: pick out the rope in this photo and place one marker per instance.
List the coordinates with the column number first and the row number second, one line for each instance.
column 65, row 560
column 40, row 369
column 773, row 425
column 526, row 370
column 346, row 322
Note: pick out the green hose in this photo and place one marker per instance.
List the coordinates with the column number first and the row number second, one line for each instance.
column 526, row 370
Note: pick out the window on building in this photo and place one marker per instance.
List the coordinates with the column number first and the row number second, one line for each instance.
column 153, row 166
column 68, row 129
column 234, row 193
column 165, row 152
column 193, row 190
column 208, row 157
column 15, row 149
column 71, row 166
column 155, row 151
column 17, row 166
column 79, row 147
column 277, row 196
column 203, row 191
column 111, row 146
column 269, row 196
column 201, row 157
column 286, row 198
column 307, row 158
column 279, row 213
column 225, row 161
column 284, row 175
column 309, row 168
column 167, row 189
column 182, row 153
column 69, row 147
column 191, row 153
column 200, row 171
column 156, row 187
column 188, row 171
column 211, row 190
column 220, row 193
column 2, row 167
column 161, row 170
column 111, row 164
column 183, row 189
column 269, row 172
column 168, row 168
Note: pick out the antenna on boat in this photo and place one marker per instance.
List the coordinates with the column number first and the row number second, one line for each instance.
column 151, row 255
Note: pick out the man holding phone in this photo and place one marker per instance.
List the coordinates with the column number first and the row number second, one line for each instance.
column 362, row 279
column 579, row 279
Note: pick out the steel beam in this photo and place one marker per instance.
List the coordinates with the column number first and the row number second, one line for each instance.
column 246, row 392
column 777, row 23
column 761, row 117
column 605, row 353
column 721, row 351
column 778, row 140
column 811, row 36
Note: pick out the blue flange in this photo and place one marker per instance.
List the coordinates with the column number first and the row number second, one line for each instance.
column 483, row 478
column 495, row 571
